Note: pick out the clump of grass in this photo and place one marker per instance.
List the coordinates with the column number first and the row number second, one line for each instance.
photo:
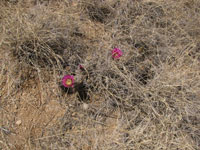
column 146, row 99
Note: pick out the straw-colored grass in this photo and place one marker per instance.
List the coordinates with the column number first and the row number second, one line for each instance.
column 149, row 99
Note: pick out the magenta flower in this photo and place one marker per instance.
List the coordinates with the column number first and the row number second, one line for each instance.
column 68, row 81
column 81, row 67
column 116, row 53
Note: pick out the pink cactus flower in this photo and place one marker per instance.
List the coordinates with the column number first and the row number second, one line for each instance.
column 80, row 67
column 68, row 81
column 116, row 53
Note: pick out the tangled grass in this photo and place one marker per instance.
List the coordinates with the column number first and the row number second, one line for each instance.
column 146, row 100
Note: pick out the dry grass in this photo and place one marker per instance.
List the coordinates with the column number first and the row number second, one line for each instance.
column 147, row 100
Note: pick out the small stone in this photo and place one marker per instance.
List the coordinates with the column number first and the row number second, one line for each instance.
column 73, row 114
column 85, row 106
column 19, row 122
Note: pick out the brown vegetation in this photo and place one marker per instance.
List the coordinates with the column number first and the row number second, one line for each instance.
column 149, row 99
